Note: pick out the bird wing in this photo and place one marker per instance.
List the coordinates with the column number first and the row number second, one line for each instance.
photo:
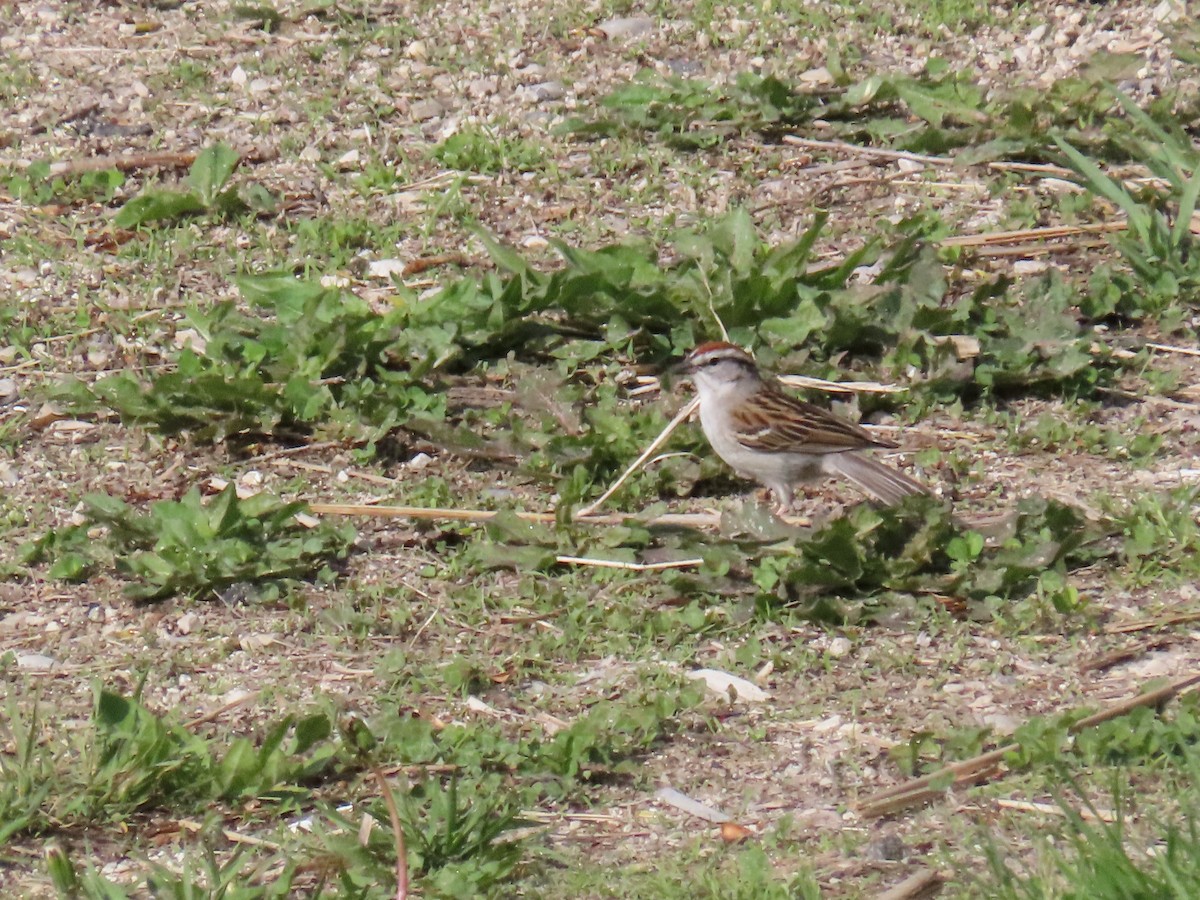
column 775, row 422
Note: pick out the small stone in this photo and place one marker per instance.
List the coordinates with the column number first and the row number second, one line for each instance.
column 479, row 88
column 548, row 90
column 417, row 50
column 36, row 662
column 839, row 647
column 1030, row 266
column 8, row 391
column 186, row 623
column 348, row 160
column 819, row 75
column 628, row 27
column 238, row 76
column 98, row 357
column 426, row 109
column 420, row 461
column 386, row 268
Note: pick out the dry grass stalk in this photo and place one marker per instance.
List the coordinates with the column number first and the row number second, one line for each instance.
column 1147, row 624
column 1026, row 234
column 443, row 514
column 1050, row 809
column 1168, row 348
column 679, row 419
column 840, row 387
column 859, row 150
column 397, row 835
column 628, row 566
column 923, row 883
column 918, row 790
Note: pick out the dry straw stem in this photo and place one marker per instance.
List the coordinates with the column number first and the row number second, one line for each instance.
column 680, row 417
column 628, row 566
column 443, row 514
column 1147, row 624
column 397, row 835
column 919, row 790
column 1026, row 234
column 859, row 150
column 923, row 883
column 1168, row 348
column 1051, row 809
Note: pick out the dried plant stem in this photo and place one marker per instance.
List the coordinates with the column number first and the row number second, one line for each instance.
column 680, row 417
column 213, row 714
column 918, row 790
column 133, row 161
column 859, row 150
column 397, row 834
column 1026, row 234
column 1147, row 624
column 840, row 387
column 1168, row 348
column 442, row 514
column 629, row 566
column 1050, row 809
column 685, row 520
column 923, row 883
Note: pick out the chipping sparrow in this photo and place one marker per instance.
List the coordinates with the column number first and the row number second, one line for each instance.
column 776, row 439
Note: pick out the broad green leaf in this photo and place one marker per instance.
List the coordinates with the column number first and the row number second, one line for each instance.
column 155, row 205
column 211, row 171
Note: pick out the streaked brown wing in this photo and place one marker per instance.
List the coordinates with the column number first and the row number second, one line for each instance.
column 778, row 423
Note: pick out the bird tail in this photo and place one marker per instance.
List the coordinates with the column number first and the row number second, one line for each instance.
column 885, row 484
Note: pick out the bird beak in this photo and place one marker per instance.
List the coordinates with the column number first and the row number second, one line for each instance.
column 681, row 369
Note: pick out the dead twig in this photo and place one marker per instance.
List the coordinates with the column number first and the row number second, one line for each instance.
column 1026, row 234
column 397, row 835
column 131, row 162
column 924, row 883
column 628, row 566
column 1168, row 348
column 840, row 387
column 1050, row 809
column 435, row 514
column 1103, row 661
column 680, row 417
column 859, row 150
column 1147, row 624
column 214, row 714
column 918, row 790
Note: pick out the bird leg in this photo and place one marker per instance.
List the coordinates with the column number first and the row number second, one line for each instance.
column 783, row 499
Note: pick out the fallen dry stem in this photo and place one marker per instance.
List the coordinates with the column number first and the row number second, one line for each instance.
column 1147, row 624
column 397, row 834
column 1051, row 809
column 628, row 566
column 917, row 790
column 443, row 514
column 923, row 883
column 1026, row 234
column 680, row 418
column 859, row 150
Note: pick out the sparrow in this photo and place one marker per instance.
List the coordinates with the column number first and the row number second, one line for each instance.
column 775, row 439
